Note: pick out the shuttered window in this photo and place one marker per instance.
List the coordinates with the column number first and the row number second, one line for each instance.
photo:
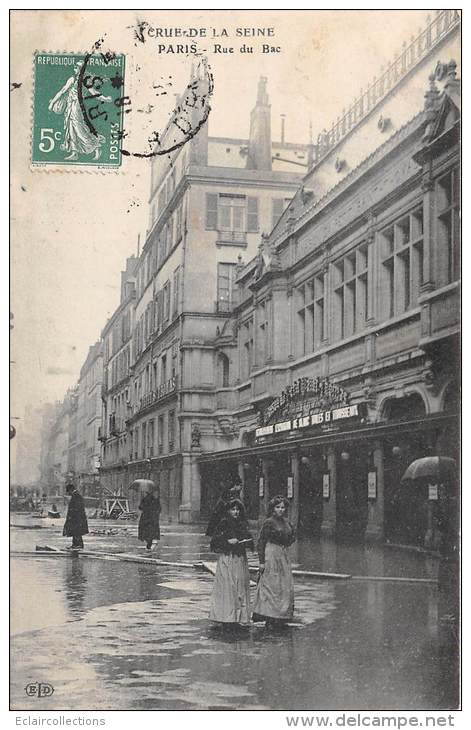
column 211, row 211
column 252, row 215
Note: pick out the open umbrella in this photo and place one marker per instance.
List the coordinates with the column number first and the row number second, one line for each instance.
column 433, row 468
column 142, row 484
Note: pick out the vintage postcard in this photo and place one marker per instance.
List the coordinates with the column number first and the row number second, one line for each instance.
column 235, row 364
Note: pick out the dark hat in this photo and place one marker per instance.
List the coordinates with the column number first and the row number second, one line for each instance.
column 69, row 488
column 236, row 503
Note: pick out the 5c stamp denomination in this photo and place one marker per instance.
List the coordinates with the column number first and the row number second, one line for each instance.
column 79, row 105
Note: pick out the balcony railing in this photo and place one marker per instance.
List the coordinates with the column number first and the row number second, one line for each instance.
column 237, row 238
column 389, row 77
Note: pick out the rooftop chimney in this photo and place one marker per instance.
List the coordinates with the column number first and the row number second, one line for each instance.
column 259, row 156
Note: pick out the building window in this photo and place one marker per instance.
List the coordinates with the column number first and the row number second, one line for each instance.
column 144, row 440
column 171, row 430
column 154, row 375
column 174, row 359
column 247, row 349
column 350, row 276
column 179, row 224
column 401, row 253
column 160, row 434
column 163, row 369
column 151, row 438
column 176, row 292
column 166, row 301
column 448, row 226
column 232, row 215
column 310, row 315
column 223, row 370
column 263, row 332
column 226, row 286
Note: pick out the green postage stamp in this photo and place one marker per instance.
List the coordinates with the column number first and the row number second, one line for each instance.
column 79, row 106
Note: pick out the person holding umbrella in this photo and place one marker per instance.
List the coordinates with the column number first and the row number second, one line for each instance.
column 76, row 524
column 149, row 527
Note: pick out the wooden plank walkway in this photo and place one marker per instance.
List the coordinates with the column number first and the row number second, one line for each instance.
column 208, row 566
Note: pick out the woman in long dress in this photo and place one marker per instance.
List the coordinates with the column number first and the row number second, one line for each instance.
column 149, row 527
column 78, row 138
column 230, row 600
column 274, row 596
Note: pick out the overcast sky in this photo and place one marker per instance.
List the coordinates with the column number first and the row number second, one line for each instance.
column 72, row 231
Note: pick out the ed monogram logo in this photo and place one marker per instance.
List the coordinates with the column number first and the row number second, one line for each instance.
column 39, row 689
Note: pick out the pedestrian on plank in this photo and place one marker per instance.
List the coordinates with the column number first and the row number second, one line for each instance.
column 227, row 493
column 76, row 524
column 149, row 527
column 274, row 596
column 230, row 600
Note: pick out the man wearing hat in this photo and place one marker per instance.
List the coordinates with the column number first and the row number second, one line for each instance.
column 227, row 493
column 76, row 523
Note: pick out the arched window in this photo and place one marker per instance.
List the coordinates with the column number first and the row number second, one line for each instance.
column 404, row 409
column 223, row 370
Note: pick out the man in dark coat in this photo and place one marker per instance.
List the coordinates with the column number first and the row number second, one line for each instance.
column 76, row 523
column 149, row 528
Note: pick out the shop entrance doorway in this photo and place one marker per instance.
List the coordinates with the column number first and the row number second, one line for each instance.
column 311, row 469
column 352, row 492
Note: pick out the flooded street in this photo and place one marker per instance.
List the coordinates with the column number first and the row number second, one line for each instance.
column 108, row 634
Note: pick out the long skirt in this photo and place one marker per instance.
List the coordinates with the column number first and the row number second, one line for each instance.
column 274, row 596
column 230, row 600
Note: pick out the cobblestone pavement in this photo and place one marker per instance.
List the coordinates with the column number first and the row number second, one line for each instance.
column 113, row 635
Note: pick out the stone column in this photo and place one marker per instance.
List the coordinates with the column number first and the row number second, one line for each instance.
column 329, row 514
column 195, row 486
column 184, row 511
column 375, row 525
column 429, row 238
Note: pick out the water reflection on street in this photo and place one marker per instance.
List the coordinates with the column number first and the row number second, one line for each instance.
column 115, row 635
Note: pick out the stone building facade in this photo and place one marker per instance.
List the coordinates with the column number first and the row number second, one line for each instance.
column 208, row 206
column 342, row 350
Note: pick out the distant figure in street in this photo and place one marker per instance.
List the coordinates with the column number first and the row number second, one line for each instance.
column 226, row 495
column 274, row 596
column 76, row 523
column 230, row 600
column 149, row 528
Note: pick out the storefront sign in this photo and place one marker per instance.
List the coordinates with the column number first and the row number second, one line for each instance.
column 289, row 490
column 260, row 487
column 433, row 492
column 305, row 395
column 372, row 485
column 326, row 485
column 324, row 418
